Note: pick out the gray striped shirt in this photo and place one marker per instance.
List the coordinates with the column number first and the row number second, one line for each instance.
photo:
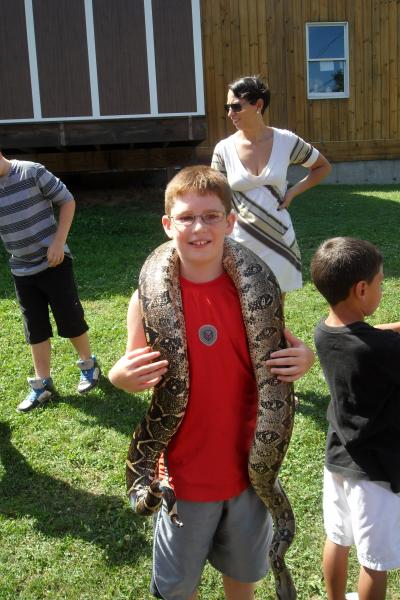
column 27, row 222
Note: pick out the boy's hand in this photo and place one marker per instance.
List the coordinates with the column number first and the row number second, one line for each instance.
column 55, row 253
column 289, row 364
column 136, row 371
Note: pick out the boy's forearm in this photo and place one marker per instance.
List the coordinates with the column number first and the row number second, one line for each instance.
column 65, row 218
column 392, row 326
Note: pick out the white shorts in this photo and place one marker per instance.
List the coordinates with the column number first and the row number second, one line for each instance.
column 364, row 513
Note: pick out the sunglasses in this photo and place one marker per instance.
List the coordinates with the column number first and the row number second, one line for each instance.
column 236, row 107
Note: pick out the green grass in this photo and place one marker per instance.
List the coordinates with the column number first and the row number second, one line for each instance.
column 66, row 530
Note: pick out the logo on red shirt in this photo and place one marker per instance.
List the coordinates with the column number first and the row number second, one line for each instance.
column 208, row 334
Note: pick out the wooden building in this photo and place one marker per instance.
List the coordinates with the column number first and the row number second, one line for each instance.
column 121, row 84
column 269, row 37
column 109, row 83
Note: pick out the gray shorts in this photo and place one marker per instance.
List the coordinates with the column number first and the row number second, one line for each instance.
column 234, row 535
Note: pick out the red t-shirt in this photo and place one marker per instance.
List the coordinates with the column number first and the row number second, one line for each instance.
column 207, row 457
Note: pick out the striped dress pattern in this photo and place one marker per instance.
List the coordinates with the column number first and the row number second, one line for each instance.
column 260, row 225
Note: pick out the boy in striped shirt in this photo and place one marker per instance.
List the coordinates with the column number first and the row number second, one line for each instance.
column 41, row 265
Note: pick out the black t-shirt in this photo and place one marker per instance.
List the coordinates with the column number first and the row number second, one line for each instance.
column 361, row 365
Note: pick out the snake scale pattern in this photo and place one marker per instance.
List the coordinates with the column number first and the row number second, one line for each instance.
column 161, row 304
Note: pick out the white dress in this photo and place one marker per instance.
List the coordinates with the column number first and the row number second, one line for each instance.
column 260, row 226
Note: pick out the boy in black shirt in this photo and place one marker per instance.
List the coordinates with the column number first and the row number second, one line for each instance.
column 362, row 467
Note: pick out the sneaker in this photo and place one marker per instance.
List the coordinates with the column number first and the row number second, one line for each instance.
column 90, row 374
column 351, row 596
column 42, row 390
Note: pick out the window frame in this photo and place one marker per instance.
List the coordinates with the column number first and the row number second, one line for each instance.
column 345, row 59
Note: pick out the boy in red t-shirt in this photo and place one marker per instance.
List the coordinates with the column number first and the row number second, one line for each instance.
column 225, row 521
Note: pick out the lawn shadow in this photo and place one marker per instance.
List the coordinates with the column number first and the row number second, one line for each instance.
column 6, row 281
column 314, row 406
column 60, row 510
column 112, row 408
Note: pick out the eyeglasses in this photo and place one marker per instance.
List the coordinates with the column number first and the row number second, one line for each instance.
column 236, row 107
column 208, row 218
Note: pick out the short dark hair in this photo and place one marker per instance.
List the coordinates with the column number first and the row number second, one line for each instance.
column 341, row 262
column 202, row 180
column 251, row 88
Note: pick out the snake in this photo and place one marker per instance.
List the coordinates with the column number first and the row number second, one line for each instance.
column 163, row 321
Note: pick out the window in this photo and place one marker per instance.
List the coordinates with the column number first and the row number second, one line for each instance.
column 327, row 60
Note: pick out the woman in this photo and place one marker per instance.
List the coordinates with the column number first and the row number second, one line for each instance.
column 255, row 160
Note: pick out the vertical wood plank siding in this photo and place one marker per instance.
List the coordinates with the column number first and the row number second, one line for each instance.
column 267, row 37
column 173, row 45
column 393, row 70
column 121, row 57
column 15, row 84
column 62, row 58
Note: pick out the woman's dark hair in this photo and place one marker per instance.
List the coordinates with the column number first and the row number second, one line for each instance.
column 341, row 262
column 251, row 88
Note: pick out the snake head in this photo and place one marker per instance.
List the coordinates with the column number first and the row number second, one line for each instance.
column 147, row 501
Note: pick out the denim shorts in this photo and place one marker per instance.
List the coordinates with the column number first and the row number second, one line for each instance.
column 54, row 287
column 233, row 535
